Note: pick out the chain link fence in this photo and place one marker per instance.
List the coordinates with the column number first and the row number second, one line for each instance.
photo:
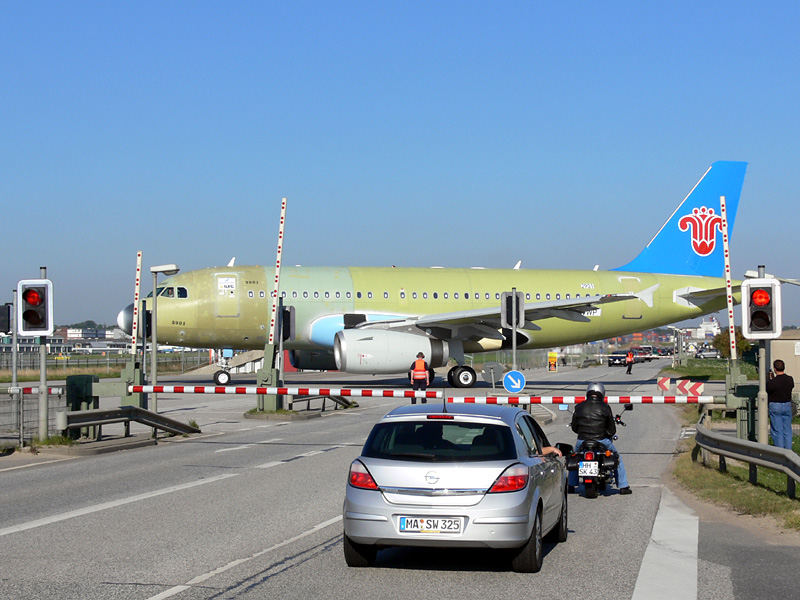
column 10, row 416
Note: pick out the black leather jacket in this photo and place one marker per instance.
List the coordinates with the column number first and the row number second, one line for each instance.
column 593, row 420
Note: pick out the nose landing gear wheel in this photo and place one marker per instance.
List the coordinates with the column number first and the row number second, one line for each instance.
column 222, row 378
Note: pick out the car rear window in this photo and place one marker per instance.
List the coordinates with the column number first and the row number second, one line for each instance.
column 440, row 441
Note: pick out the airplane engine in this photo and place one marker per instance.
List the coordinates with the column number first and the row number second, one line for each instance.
column 381, row 351
column 313, row 360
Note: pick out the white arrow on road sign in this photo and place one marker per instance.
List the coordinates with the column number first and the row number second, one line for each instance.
column 514, row 382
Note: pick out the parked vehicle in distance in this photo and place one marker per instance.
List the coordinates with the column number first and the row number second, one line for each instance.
column 641, row 355
column 467, row 476
column 616, row 359
column 708, row 353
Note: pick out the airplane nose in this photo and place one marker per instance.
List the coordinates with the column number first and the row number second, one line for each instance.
column 125, row 319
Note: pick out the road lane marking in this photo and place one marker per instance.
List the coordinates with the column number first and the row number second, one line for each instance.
column 239, row 561
column 175, row 488
column 669, row 566
column 269, row 465
column 36, row 464
column 234, row 448
column 270, row 441
column 113, row 504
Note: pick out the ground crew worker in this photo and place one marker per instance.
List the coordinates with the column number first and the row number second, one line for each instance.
column 629, row 361
column 420, row 378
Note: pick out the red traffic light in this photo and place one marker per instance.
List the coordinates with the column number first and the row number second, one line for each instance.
column 34, row 307
column 760, row 297
column 32, row 297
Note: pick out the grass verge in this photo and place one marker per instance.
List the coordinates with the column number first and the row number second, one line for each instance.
column 733, row 489
column 59, row 373
column 708, row 368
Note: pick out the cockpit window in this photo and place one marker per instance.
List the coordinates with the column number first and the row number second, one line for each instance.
column 166, row 292
column 183, row 292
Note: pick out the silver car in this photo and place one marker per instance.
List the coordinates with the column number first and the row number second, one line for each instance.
column 467, row 475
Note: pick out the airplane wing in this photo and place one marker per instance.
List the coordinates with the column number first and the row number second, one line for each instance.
column 485, row 322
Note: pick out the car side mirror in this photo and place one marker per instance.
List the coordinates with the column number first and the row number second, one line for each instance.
column 566, row 449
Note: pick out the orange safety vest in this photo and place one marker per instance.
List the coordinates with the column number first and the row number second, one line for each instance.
column 629, row 358
column 420, row 372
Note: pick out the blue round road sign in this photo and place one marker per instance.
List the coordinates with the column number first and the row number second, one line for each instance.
column 514, row 382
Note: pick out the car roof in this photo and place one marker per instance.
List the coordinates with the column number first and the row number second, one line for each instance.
column 504, row 412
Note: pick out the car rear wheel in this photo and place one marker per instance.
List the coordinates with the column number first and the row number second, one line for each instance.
column 358, row 555
column 528, row 559
column 561, row 530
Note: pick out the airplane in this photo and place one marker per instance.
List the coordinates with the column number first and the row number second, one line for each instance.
column 373, row 320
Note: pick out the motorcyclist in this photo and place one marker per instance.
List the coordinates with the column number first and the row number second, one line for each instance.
column 593, row 420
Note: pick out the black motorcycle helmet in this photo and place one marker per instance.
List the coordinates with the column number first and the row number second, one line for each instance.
column 596, row 391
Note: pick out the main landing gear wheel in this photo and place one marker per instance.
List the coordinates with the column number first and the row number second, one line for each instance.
column 222, row 378
column 461, row 377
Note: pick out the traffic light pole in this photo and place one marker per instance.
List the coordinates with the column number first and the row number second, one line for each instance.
column 18, row 395
column 514, row 329
column 763, row 406
column 43, row 412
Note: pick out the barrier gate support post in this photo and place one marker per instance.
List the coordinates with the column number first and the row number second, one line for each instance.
column 80, row 397
column 267, row 376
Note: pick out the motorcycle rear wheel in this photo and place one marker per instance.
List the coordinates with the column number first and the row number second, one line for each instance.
column 590, row 489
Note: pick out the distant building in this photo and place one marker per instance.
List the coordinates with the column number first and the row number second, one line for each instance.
column 707, row 329
column 86, row 334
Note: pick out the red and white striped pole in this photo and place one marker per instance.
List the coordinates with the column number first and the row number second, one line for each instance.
column 284, row 391
column 524, row 400
column 136, row 288
column 729, row 287
column 276, row 282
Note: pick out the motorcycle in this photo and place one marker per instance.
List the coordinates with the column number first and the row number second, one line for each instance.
column 596, row 464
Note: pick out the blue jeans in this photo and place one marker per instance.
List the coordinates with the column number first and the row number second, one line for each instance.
column 780, row 424
column 620, row 474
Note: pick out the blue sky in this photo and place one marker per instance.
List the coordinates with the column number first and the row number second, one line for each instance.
column 406, row 133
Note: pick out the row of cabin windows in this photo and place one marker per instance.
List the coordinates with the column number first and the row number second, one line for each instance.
column 424, row 295
column 182, row 292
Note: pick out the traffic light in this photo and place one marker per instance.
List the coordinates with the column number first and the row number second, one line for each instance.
column 35, row 307
column 761, row 309
column 508, row 318
column 5, row 318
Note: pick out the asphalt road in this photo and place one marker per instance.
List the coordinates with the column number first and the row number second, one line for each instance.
column 252, row 509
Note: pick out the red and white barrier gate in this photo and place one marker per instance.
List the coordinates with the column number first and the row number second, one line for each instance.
column 282, row 391
column 31, row 390
column 579, row 399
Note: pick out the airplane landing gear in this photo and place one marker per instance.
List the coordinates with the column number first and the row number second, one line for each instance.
column 222, row 377
column 461, row 377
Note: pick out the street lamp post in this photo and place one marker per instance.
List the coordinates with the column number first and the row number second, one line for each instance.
column 170, row 269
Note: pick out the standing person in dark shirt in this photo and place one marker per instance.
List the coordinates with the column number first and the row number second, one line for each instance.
column 779, row 394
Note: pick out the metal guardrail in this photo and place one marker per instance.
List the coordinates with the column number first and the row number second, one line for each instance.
column 125, row 414
column 779, row 459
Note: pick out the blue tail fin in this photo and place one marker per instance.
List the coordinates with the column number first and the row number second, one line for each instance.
column 690, row 242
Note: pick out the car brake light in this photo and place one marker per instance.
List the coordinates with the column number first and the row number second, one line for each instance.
column 514, row 478
column 360, row 477
column 588, row 455
column 447, row 417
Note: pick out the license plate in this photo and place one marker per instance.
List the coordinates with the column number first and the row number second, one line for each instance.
column 451, row 525
column 588, row 468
